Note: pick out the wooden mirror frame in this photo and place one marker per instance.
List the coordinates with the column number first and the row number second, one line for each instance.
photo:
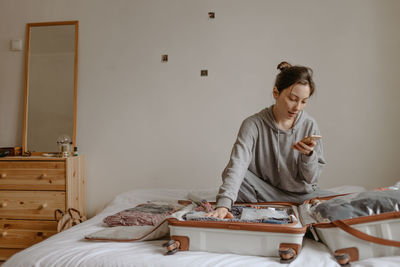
column 25, row 151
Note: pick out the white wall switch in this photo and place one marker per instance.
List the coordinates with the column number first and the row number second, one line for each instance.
column 16, row 45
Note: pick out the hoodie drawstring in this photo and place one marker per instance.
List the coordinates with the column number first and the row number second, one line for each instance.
column 279, row 154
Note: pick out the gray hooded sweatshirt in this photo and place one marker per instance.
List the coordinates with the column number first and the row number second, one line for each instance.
column 265, row 150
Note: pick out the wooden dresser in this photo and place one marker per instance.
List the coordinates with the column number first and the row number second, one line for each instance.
column 31, row 189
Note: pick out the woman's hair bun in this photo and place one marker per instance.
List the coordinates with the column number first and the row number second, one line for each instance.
column 283, row 66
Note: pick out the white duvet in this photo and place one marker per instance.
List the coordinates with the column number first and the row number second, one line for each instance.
column 69, row 248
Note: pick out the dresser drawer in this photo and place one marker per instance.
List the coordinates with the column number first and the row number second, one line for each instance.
column 31, row 204
column 22, row 234
column 32, row 175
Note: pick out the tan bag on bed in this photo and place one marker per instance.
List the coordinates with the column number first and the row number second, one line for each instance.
column 67, row 220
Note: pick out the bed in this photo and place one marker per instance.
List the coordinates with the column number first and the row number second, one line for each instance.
column 69, row 248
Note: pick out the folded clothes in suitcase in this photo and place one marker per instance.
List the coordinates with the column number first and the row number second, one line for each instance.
column 353, row 226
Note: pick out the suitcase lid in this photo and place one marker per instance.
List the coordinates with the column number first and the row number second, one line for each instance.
column 346, row 224
column 305, row 214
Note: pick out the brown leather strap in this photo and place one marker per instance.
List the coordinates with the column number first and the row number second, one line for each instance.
column 75, row 210
column 345, row 227
column 58, row 212
column 76, row 216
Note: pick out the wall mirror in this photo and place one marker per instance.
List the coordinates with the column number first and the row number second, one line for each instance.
column 51, row 68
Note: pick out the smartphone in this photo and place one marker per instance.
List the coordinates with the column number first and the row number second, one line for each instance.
column 307, row 140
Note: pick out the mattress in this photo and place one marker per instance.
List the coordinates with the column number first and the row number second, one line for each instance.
column 69, row 248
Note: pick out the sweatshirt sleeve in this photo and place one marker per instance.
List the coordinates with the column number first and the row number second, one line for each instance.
column 233, row 174
column 311, row 166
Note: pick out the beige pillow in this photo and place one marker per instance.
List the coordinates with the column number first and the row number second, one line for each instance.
column 139, row 232
column 130, row 233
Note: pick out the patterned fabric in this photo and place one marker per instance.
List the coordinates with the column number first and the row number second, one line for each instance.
column 144, row 214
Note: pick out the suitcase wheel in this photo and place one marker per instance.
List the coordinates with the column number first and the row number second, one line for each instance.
column 345, row 255
column 172, row 247
column 287, row 254
column 343, row 259
column 169, row 243
column 171, row 252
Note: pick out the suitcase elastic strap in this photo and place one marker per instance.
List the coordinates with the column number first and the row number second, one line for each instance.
column 345, row 227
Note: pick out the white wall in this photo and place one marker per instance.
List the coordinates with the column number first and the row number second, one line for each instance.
column 147, row 124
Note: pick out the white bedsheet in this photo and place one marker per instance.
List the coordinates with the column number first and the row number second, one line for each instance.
column 69, row 248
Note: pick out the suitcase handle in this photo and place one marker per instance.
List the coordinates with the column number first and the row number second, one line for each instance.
column 347, row 228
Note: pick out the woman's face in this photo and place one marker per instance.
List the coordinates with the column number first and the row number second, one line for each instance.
column 291, row 100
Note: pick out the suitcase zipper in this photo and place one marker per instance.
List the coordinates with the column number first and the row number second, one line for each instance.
column 312, row 230
column 314, row 233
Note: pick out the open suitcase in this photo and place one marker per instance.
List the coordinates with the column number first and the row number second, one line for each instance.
column 261, row 239
column 349, row 239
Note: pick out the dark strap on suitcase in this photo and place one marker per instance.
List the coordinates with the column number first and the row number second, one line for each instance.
column 345, row 227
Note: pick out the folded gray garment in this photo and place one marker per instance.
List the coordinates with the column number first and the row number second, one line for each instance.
column 357, row 205
column 245, row 214
column 264, row 214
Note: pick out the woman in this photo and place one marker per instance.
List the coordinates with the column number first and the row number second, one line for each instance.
column 268, row 160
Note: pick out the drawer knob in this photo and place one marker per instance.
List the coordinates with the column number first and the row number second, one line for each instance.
column 43, row 206
column 3, row 175
column 43, row 176
column 3, row 204
column 3, row 234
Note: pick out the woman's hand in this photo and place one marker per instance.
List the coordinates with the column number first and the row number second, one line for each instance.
column 306, row 149
column 221, row 213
